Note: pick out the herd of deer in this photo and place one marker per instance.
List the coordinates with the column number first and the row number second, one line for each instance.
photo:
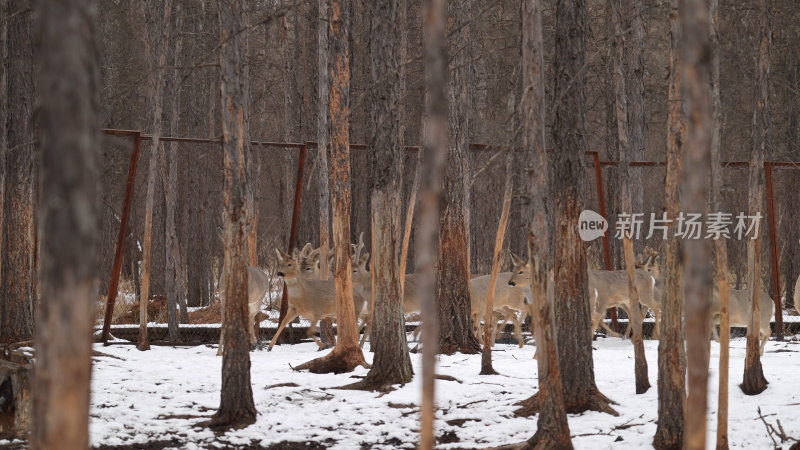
column 315, row 299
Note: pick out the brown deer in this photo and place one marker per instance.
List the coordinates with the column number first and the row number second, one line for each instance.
column 310, row 298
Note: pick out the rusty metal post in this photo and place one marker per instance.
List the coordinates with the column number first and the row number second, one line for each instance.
column 601, row 202
column 773, row 250
column 123, row 229
column 298, row 191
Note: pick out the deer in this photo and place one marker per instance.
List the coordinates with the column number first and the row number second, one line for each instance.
column 739, row 313
column 508, row 301
column 607, row 289
column 310, row 298
column 257, row 288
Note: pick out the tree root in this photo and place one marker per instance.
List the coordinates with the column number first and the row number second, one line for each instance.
column 596, row 402
column 540, row 441
column 341, row 361
column 753, row 382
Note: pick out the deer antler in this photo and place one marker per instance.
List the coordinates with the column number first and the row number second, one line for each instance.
column 357, row 249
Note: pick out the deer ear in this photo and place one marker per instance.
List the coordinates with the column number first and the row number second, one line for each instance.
column 304, row 253
column 364, row 259
column 516, row 260
column 280, row 254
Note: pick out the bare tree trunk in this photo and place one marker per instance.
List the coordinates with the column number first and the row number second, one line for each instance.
column 391, row 364
column 572, row 312
column 452, row 276
column 18, row 289
column 5, row 65
column 170, row 184
column 236, row 406
column 69, row 124
column 434, row 151
column 625, row 150
column 156, row 54
column 612, row 146
column 346, row 355
column 753, row 381
column 552, row 429
column 671, row 357
column 634, row 85
column 720, row 246
column 696, row 252
column 323, row 132
column 502, row 226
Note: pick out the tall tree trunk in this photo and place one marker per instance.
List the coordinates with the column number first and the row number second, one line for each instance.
column 552, row 429
column 625, row 140
column 671, row 354
column 696, row 252
column 502, row 226
column 236, row 406
column 18, row 289
column 634, row 85
column 69, row 77
column 323, row 133
column 434, row 151
column 720, row 245
column 346, row 355
column 170, row 164
column 753, row 381
column 612, row 146
column 5, row 66
column 572, row 311
column 391, row 364
column 452, row 276
column 156, row 55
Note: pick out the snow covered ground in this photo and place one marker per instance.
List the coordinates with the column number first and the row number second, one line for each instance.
column 162, row 394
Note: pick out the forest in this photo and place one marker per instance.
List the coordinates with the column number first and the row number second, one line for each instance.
column 510, row 224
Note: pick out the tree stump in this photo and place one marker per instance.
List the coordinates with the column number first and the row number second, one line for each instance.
column 15, row 394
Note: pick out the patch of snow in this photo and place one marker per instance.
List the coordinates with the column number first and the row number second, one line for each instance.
column 163, row 393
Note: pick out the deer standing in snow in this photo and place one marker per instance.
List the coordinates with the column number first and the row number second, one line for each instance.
column 310, row 298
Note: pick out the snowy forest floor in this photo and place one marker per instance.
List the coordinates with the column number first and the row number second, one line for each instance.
column 155, row 399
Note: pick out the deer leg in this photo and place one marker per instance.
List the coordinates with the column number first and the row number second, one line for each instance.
column 367, row 330
column 252, row 328
column 290, row 316
column 765, row 338
column 518, row 330
column 311, row 333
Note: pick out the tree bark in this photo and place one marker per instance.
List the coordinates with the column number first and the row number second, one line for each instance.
column 236, row 407
column 671, row 354
column 434, row 151
column 392, row 363
column 4, row 116
column 156, row 55
column 18, row 289
column 323, row 134
column 720, row 246
column 172, row 278
column 634, row 85
column 346, row 355
column 625, row 139
column 453, row 270
column 552, row 429
column 753, row 381
column 696, row 252
column 69, row 77
column 572, row 312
